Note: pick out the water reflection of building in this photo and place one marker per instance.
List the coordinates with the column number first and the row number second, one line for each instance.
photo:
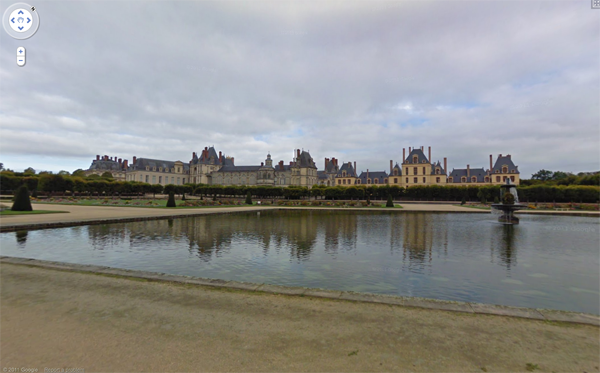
column 504, row 244
column 339, row 229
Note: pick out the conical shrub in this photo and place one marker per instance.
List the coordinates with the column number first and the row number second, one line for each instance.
column 22, row 201
column 249, row 198
column 171, row 200
column 390, row 202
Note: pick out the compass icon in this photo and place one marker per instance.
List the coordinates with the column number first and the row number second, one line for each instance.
column 21, row 21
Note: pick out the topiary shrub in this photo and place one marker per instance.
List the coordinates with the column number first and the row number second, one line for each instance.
column 249, row 198
column 171, row 200
column 496, row 200
column 390, row 202
column 183, row 196
column 22, row 201
column 463, row 200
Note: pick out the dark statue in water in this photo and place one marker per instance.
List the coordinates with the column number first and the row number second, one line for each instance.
column 510, row 203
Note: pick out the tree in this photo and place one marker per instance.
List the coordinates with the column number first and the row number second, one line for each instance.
column 107, row 175
column 1, row 166
column 171, row 200
column 543, row 175
column 78, row 173
column 63, row 173
column 156, row 188
column 390, row 202
column 22, row 201
column 29, row 170
column 249, row 198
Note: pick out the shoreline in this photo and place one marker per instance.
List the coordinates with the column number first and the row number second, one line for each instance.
column 335, row 295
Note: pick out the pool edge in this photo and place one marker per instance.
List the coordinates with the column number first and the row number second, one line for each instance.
column 415, row 302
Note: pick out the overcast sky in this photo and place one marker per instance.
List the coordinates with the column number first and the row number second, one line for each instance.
column 353, row 80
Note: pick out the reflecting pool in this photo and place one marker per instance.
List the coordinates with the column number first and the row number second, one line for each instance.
column 545, row 262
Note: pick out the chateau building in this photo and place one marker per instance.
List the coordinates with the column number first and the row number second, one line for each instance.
column 100, row 165
column 212, row 168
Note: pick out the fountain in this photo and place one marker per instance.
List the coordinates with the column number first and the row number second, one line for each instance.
column 509, row 203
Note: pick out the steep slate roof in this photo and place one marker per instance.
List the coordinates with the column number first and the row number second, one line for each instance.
column 102, row 165
column 349, row 170
column 212, row 153
column 239, row 168
column 286, row 167
column 397, row 167
column 306, row 160
column 505, row 160
column 331, row 168
column 322, row 175
column 379, row 175
column 419, row 153
column 458, row 173
column 438, row 164
column 141, row 164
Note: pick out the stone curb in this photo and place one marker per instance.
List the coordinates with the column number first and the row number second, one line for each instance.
column 424, row 303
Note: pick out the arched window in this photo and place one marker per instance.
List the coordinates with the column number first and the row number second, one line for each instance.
column 368, row 181
column 504, row 169
column 450, row 179
column 395, row 172
column 437, row 171
column 385, row 181
column 473, row 179
column 358, row 181
column 343, row 173
column 415, row 159
column 487, row 179
column 463, row 179
column 375, row 181
column 512, row 178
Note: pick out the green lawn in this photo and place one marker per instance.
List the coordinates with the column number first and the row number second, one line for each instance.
column 34, row 212
column 475, row 207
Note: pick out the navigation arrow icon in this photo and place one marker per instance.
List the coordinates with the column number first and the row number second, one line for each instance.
column 20, row 27
column 20, row 12
column 28, row 20
column 13, row 20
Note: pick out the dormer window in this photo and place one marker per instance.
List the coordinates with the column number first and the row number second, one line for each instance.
column 423, row 161
column 512, row 171
column 160, row 169
column 473, row 179
column 415, row 159
column 343, row 173
column 504, row 169
column 147, row 168
column 376, row 181
column 368, row 181
column 487, row 179
column 395, row 172
column 497, row 171
column 153, row 168
column 450, row 179
column 437, row 171
column 463, row 179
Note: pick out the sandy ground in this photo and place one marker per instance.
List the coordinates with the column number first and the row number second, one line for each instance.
column 55, row 319
column 88, row 213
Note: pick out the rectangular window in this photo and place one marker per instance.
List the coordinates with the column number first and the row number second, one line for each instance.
column 339, row 181
column 160, row 179
column 153, row 179
column 406, row 180
column 424, row 173
column 497, row 178
column 424, row 180
column 395, row 180
column 415, row 180
column 415, row 171
column 437, row 179
column 146, row 178
column 178, row 180
column 172, row 179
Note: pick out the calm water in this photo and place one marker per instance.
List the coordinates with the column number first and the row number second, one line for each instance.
column 546, row 261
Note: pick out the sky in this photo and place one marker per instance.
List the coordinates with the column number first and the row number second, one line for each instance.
column 354, row 80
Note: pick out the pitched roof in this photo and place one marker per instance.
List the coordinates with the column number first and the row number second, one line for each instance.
column 505, row 161
column 322, row 175
column 142, row 163
column 305, row 160
column 396, row 167
column 350, row 172
column 458, row 173
column 438, row 164
column 211, row 157
column 239, row 168
column 419, row 153
column 379, row 175
column 103, row 165
column 331, row 168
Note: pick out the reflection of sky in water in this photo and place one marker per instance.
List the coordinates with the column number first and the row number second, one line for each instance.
column 546, row 261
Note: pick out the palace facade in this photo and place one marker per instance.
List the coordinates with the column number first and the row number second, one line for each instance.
column 212, row 168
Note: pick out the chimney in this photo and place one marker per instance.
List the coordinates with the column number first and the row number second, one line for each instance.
column 134, row 160
column 298, row 152
column 291, row 163
column 421, row 147
column 409, row 149
column 355, row 166
column 232, row 159
column 446, row 165
column 193, row 155
column 499, row 155
column 262, row 164
column 468, row 173
column 125, row 164
column 120, row 162
column 403, row 154
column 281, row 165
column 508, row 156
column 220, row 157
column 430, row 155
column 326, row 162
column 491, row 163
column 97, row 157
column 391, row 166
